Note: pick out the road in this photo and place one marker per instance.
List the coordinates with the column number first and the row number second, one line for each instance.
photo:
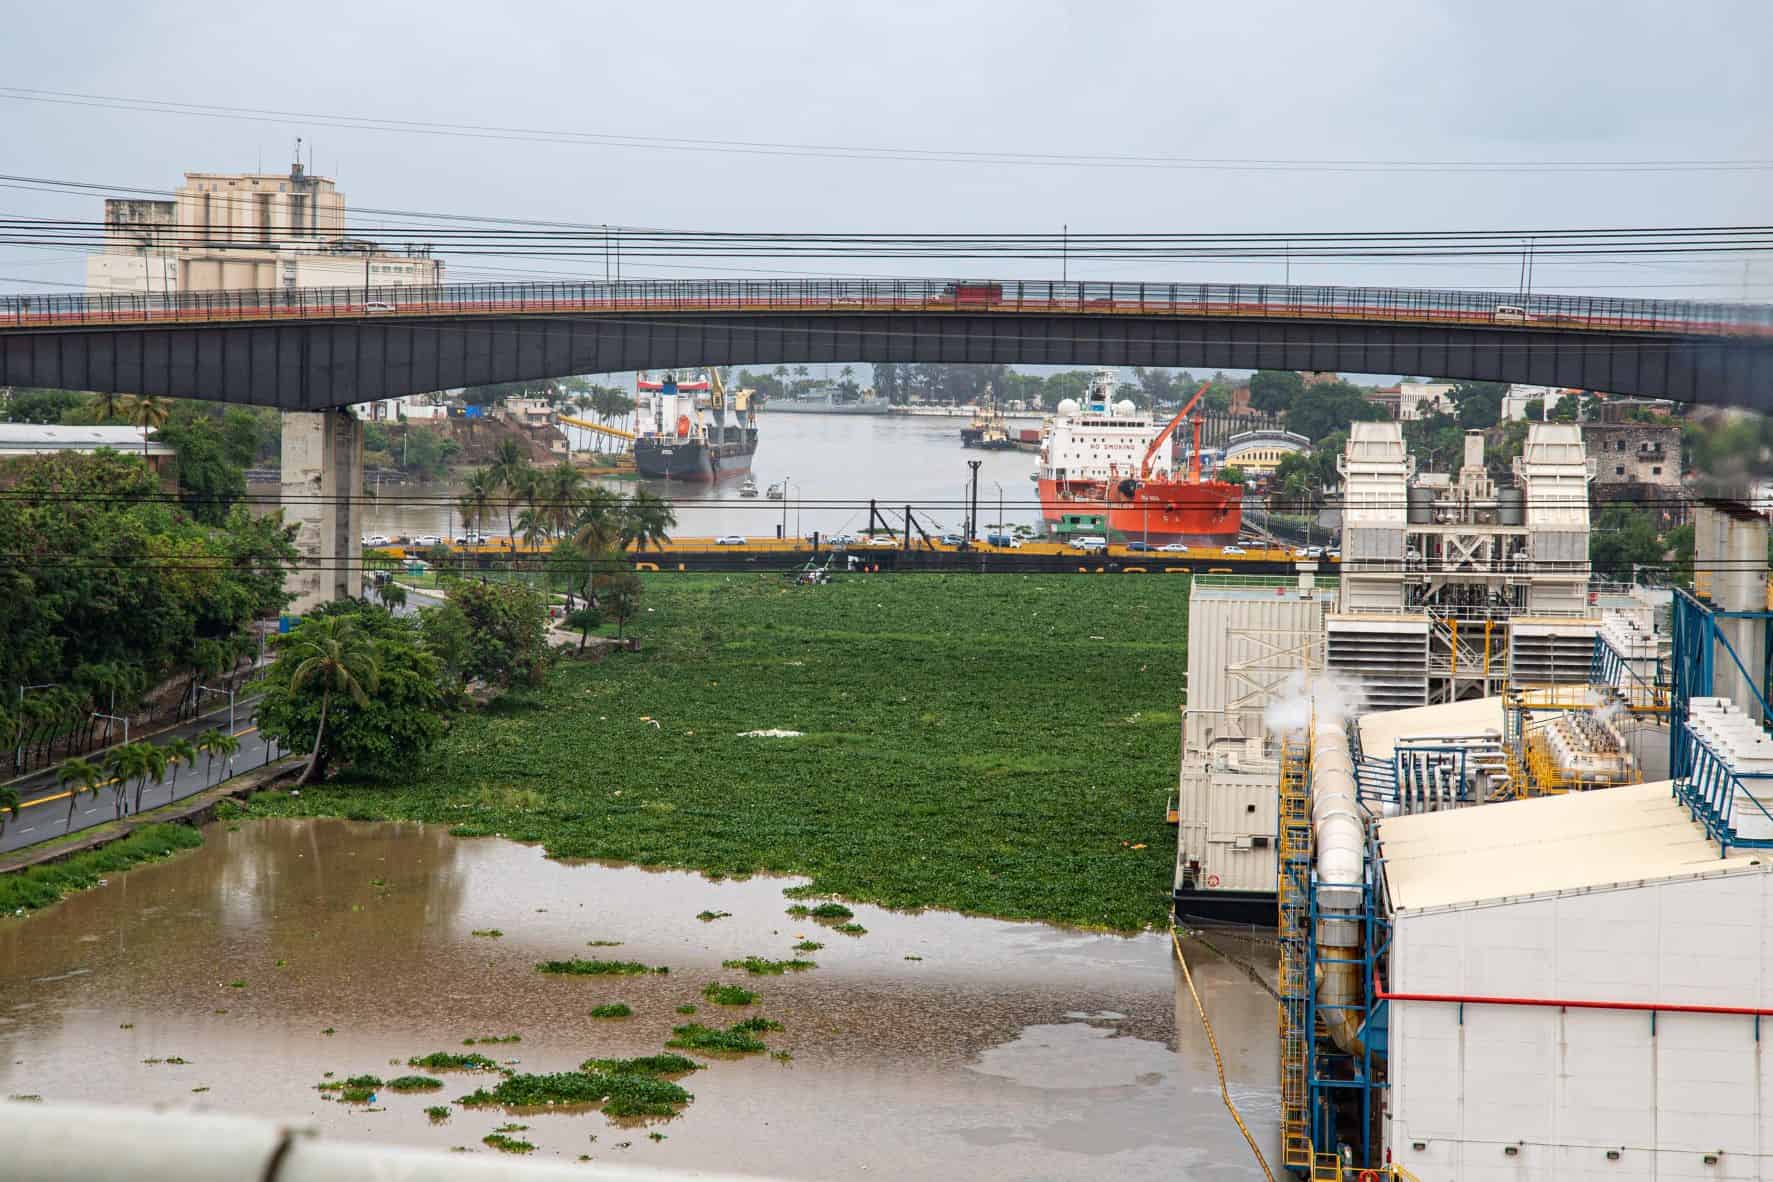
column 43, row 804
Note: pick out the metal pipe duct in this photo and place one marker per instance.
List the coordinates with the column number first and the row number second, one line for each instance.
column 1341, row 840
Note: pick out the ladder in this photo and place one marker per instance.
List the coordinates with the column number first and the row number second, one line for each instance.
column 1293, row 901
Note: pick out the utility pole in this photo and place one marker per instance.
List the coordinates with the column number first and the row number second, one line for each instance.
column 1064, row 254
column 966, row 542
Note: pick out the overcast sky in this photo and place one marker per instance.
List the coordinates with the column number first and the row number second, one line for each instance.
column 1352, row 81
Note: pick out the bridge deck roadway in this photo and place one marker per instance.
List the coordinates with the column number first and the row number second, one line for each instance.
column 309, row 350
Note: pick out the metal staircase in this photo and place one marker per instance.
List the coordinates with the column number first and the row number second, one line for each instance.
column 1293, row 892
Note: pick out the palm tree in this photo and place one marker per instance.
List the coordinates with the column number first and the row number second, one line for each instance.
column 392, row 595
column 77, row 776
column 333, row 654
column 108, row 405
column 180, row 752
column 213, row 743
column 157, row 761
column 124, row 764
column 508, row 464
column 532, row 527
column 149, row 413
column 478, row 492
column 646, row 519
column 564, row 489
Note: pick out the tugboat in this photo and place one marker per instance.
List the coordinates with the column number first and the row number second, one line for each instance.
column 675, row 441
column 776, row 491
column 987, row 430
column 749, row 488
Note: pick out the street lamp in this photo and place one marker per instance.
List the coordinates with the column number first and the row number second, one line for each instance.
column 18, row 755
column 205, row 689
column 785, row 480
column 1000, row 526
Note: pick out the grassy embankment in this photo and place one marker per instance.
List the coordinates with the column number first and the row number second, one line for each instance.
column 41, row 886
column 1001, row 745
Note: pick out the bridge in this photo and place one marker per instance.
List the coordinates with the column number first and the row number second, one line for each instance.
column 322, row 349
column 317, row 349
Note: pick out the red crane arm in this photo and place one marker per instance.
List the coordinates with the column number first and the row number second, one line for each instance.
column 1145, row 463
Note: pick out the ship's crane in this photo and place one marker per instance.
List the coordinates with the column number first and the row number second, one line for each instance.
column 1162, row 436
column 588, row 425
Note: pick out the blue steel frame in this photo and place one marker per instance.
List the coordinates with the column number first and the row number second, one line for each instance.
column 1702, row 781
column 1342, row 1089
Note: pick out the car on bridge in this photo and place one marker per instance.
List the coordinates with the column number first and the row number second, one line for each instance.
column 1140, row 547
column 1090, row 544
column 730, row 540
column 1173, row 548
column 1232, row 550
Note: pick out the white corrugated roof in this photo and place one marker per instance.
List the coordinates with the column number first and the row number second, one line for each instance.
column 31, row 438
column 1578, row 841
column 1380, row 731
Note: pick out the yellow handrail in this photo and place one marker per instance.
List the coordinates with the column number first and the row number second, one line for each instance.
column 1218, row 1060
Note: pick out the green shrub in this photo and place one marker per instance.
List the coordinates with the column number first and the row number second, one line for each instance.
column 614, row 1009
column 578, row 967
column 728, row 995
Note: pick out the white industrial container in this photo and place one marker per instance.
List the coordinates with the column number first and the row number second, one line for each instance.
column 1601, row 897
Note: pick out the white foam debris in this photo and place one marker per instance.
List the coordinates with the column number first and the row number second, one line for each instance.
column 772, row 733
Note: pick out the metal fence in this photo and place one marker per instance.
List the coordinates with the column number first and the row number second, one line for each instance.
column 1253, row 301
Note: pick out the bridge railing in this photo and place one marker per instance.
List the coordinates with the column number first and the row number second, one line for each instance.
column 1254, row 301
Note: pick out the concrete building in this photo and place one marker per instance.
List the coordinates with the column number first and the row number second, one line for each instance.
column 1259, row 453
column 1635, row 453
column 269, row 231
column 1517, row 399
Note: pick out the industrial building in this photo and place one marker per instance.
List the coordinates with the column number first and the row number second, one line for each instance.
column 1517, row 826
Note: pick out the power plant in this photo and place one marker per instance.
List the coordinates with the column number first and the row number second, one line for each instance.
column 1510, row 825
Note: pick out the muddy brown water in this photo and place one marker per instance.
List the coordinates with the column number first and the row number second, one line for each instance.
column 1010, row 1050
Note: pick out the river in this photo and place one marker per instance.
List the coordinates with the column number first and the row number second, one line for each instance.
column 833, row 465
column 933, row 1046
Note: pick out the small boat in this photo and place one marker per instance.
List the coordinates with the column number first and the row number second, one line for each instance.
column 775, row 492
column 749, row 488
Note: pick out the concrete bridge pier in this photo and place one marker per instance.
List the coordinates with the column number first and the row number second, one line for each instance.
column 322, row 488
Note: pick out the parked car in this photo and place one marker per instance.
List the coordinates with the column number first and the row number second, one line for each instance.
column 1173, row 548
column 1090, row 543
column 730, row 540
column 377, row 540
column 880, row 540
column 842, row 539
column 953, row 540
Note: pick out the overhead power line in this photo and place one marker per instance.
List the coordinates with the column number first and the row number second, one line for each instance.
column 853, row 151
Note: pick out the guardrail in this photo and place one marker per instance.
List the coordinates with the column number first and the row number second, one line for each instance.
column 1253, row 301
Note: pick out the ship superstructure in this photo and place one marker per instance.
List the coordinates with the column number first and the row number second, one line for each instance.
column 694, row 430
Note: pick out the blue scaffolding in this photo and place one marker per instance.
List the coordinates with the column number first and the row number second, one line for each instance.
column 1702, row 780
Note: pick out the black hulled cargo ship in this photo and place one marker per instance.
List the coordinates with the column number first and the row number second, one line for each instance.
column 693, row 431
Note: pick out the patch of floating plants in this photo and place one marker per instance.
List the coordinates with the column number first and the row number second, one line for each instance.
column 580, row 967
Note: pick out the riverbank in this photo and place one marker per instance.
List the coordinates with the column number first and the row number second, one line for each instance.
column 992, row 746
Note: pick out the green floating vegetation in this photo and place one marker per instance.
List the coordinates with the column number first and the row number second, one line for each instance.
column 782, row 1056
column 728, row 995
column 851, row 929
column 922, row 673
column 757, row 1025
column 757, row 966
column 414, row 1083
column 603, row 943
column 50, row 883
column 909, row 956
column 490, row 1039
column 831, row 911
column 808, row 946
column 438, row 1113
column 450, row 1061
column 621, row 1093
column 711, row 916
column 504, row 1144
column 614, row 1009
column 686, row 1008
column 359, row 1089
column 489, row 933
column 655, row 1135
column 578, row 967
column 644, row 1065
column 697, row 1037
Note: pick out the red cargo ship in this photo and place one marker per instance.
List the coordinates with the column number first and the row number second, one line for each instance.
column 1101, row 456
